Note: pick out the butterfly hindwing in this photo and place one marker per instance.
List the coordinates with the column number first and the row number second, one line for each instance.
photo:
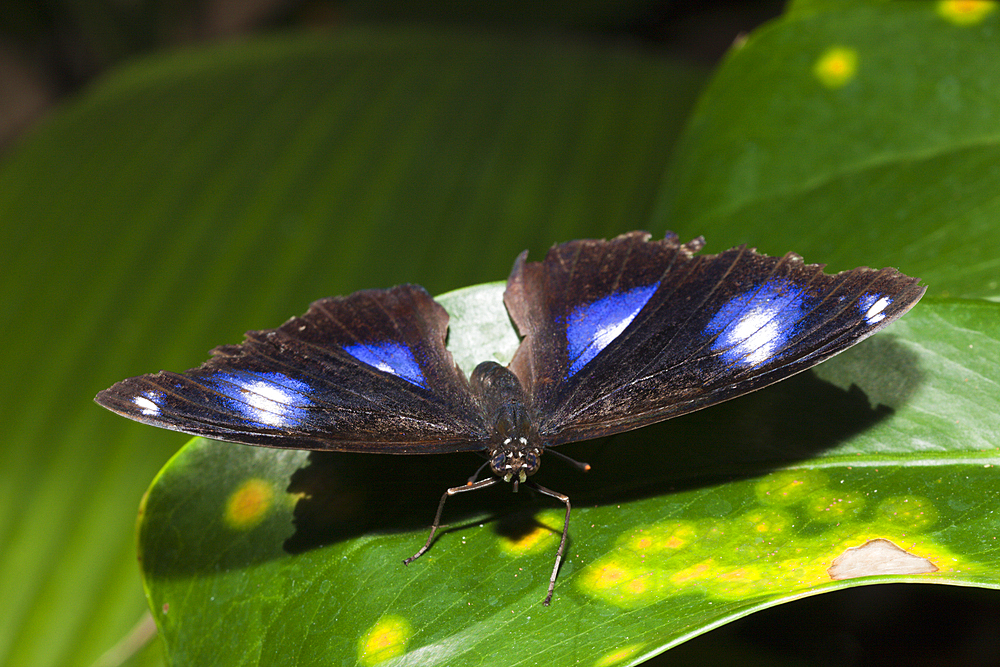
column 623, row 333
column 365, row 372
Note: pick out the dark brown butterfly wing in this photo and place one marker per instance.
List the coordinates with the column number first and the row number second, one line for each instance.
column 623, row 333
column 367, row 372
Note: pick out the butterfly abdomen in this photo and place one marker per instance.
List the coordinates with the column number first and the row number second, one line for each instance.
column 515, row 447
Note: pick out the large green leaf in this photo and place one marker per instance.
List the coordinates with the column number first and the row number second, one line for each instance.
column 187, row 199
column 854, row 133
column 679, row 527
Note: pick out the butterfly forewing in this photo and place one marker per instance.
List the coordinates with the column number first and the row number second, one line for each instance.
column 366, row 372
column 627, row 332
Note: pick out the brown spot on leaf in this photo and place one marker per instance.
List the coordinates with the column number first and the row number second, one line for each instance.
column 878, row 557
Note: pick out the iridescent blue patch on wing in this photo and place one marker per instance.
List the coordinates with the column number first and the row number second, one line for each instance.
column 755, row 326
column 591, row 327
column 871, row 307
column 271, row 400
column 390, row 357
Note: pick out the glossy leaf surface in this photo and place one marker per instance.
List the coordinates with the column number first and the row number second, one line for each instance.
column 855, row 133
column 270, row 550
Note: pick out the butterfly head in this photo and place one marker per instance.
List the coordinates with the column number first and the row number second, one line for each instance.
column 515, row 459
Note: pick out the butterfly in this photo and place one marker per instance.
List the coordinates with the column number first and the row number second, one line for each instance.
column 615, row 335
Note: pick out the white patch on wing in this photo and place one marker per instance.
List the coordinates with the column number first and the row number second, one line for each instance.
column 146, row 406
column 270, row 402
column 753, row 327
column 755, row 337
column 873, row 307
column 265, row 399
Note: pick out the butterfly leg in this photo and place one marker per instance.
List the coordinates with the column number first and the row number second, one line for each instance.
column 562, row 543
column 481, row 484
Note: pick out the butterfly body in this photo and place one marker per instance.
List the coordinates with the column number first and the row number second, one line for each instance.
column 615, row 335
column 515, row 449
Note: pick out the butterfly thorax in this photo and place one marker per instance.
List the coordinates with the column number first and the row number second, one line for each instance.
column 515, row 448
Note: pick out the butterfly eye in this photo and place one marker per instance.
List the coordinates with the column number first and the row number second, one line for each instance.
column 530, row 463
column 498, row 462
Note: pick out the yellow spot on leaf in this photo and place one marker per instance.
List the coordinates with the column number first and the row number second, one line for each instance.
column 526, row 543
column 622, row 582
column 738, row 574
column 675, row 542
column 836, row 67
column 911, row 512
column 640, row 585
column 789, row 486
column 537, row 539
column 831, row 507
column 787, row 542
column 965, row 12
column 608, row 575
column 249, row 504
column 697, row 572
column 660, row 537
column 768, row 521
column 621, row 655
column 738, row 583
column 387, row 639
column 799, row 572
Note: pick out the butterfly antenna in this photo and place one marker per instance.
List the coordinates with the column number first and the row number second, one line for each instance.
column 579, row 465
column 475, row 475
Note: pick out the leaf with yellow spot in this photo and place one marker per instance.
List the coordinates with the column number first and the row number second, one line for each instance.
column 249, row 504
column 965, row 12
column 619, row 656
column 215, row 172
column 909, row 511
column 690, row 552
column 836, row 67
column 386, row 640
column 542, row 536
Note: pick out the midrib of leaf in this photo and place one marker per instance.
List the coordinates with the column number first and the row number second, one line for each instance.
column 904, row 459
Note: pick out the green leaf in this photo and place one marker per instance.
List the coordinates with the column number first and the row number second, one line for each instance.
column 856, row 134
column 189, row 198
column 679, row 527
